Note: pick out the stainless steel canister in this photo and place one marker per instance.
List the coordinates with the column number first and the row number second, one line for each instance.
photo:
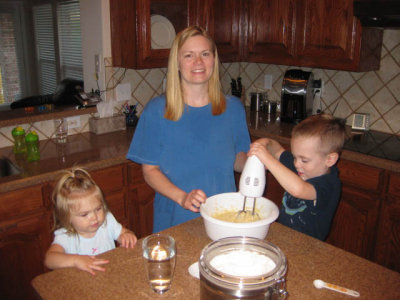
column 256, row 101
column 215, row 284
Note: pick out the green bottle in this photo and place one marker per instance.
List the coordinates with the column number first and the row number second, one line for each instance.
column 32, row 144
column 18, row 134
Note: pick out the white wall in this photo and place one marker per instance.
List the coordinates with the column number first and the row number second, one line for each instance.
column 96, row 39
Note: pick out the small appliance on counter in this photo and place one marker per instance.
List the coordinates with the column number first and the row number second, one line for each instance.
column 297, row 95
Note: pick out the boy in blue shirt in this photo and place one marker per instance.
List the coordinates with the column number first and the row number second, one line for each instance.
column 307, row 173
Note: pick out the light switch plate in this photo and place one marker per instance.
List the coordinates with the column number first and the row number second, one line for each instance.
column 74, row 122
column 267, row 81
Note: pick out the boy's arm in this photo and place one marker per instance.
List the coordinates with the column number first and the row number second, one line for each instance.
column 127, row 238
column 56, row 258
column 289, row 180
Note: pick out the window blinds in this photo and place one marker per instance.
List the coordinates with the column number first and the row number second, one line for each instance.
column 68, row 44
column 45, row 48
column 69, row 35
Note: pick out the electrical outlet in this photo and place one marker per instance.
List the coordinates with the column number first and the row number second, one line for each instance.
column 74, row 122
column 124, row 91
column 268, row 81
column 97, row 63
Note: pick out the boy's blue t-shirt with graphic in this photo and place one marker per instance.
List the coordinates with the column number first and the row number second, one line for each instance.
column 303, row 215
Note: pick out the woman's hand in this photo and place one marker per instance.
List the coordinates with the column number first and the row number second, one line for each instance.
column 89, row 263
column 193, row 200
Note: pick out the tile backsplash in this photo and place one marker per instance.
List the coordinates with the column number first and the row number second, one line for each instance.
column 344, row 93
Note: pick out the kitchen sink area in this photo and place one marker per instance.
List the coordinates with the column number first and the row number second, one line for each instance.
column 7, row 168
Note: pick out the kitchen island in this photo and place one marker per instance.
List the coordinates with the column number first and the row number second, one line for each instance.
column 308, row 259
column 366, row 223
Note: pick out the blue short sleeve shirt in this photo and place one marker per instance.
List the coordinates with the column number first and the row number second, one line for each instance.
column 196, row 152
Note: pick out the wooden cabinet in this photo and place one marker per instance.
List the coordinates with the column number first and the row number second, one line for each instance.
column 329, row 36
column 387, row 251
column 306, row 33
column 223, row 21
column 24, row 237
column 112, row 182
column 354, row 225
column 269, row 31
column 310, row 33
column 141, row 198
column 131, row 30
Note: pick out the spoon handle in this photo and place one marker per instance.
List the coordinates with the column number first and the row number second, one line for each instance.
column 340, row 289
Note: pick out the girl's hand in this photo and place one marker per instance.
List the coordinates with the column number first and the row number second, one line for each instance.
column 127, row 239
column 90, row 263
column 193, row 200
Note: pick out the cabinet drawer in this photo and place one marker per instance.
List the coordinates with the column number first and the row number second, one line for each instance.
column 20, row 201
column 135, row 175
column 394, row 184
column 109, row 179
column 360, row 176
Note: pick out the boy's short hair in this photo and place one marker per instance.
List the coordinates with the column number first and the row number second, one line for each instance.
column 330, row 130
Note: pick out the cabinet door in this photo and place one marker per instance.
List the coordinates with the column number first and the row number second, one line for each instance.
column 177, row 14
column 141, row 198
column 112, row 183
column 269, row 31
column 221, row 19
column 123, row 33
column 387, row 250
column 23, row 243
column 354, row 225
column 327, row 34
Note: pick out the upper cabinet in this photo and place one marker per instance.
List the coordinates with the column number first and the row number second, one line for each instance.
column 307, row 33
column 142, row 31
column 329, row 36
column 223, row 21
column 269, row 31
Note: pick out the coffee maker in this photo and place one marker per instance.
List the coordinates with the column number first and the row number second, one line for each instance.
column 297, row 96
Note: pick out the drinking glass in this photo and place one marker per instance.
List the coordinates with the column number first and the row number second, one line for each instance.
column 159, row 253
column 61, row 130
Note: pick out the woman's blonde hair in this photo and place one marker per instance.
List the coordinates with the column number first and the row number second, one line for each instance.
column 175, row 102
column 70, row 188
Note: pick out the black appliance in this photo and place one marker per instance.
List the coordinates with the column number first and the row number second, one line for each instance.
column 378, row 13
column 297, row 95
column 68, row 92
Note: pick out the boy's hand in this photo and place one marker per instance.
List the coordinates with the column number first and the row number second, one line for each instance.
column 127, row 239
column 89, row 263
column 261, row 152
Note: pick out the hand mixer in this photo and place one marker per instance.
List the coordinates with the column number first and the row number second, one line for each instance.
column 252, row 183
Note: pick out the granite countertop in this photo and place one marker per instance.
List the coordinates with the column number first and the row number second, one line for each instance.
column 372, row 148
column 86, row 149
column 98, row 151
column 308, row 259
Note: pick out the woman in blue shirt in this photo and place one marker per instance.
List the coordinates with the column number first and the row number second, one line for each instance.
column 190, row 140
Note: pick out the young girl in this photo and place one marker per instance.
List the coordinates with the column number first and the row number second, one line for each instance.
column 84, row 225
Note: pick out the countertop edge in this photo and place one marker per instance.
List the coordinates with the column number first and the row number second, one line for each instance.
column 346, row 154
column 50, row 176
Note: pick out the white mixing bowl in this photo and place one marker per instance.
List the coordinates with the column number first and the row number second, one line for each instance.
column 217, row 229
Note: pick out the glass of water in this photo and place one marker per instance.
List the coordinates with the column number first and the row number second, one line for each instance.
column 61, row 130
column 159, row 253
